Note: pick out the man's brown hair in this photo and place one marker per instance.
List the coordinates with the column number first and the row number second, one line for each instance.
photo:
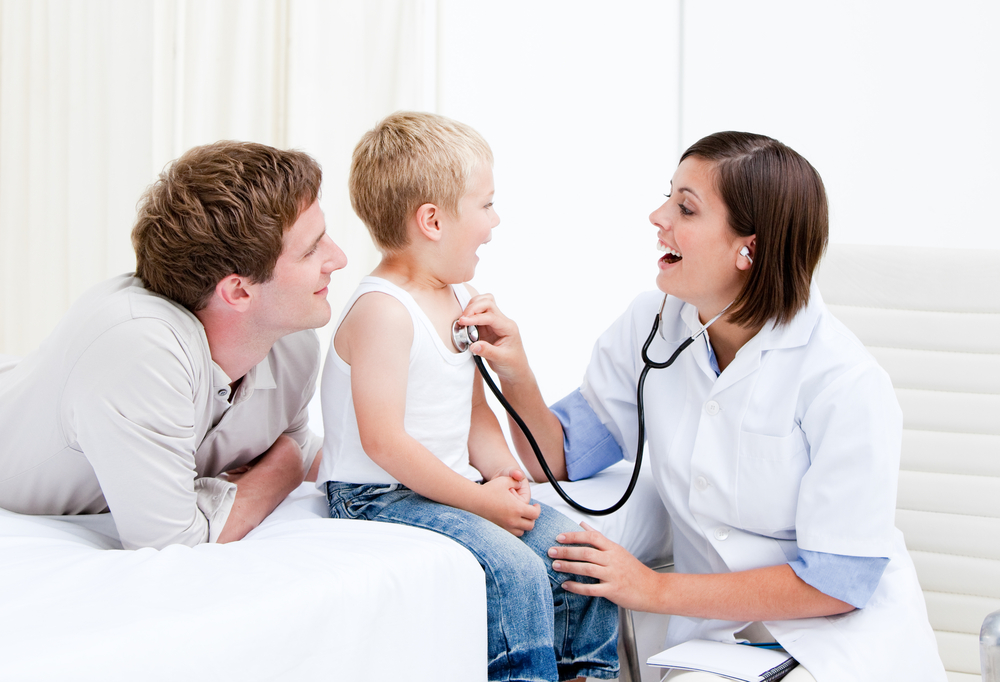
column 407, row 160
column 772, row 192
column 218, row 210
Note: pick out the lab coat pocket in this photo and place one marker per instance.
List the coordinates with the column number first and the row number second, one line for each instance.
column 767, row 484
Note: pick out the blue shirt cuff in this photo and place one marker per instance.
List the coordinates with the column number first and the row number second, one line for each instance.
column 850, row 579
column 588, row 444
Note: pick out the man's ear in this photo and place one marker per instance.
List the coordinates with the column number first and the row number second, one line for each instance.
column 428, row 221
column 234, row 292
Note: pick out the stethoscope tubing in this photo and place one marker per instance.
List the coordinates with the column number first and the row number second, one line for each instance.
column 647, row 365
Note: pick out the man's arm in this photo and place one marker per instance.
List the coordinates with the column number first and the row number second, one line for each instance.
column 130, row 403
column 262, row 487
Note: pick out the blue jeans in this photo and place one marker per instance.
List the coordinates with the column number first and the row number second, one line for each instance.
column 537, row 631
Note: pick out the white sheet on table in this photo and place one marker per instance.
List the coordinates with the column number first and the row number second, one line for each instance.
column 302, row 597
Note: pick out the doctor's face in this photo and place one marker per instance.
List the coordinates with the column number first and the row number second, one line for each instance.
column 700, row 263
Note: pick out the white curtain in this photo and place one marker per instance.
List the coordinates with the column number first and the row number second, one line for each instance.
column 96, row 96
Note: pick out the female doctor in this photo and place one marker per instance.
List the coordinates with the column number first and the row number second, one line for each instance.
column 774, row 439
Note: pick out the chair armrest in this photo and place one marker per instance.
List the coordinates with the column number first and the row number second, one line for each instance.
column 989, row 647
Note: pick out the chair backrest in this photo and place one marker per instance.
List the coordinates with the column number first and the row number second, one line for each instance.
column 932, row 319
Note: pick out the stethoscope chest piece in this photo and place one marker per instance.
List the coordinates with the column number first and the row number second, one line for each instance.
column 463, row 337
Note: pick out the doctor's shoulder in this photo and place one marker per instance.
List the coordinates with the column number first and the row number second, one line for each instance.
column 837, row 356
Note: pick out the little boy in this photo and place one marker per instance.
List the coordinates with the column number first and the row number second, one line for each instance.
column 409, row 436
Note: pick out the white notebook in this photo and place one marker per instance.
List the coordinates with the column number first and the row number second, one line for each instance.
column 740, row 662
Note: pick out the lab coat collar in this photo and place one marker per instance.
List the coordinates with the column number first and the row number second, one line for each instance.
column 771, row 337
column 797, row 332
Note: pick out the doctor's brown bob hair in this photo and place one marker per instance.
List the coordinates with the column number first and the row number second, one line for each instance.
column 772, row 192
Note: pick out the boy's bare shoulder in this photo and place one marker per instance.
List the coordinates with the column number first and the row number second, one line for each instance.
column 376, row 324
column 376, row 310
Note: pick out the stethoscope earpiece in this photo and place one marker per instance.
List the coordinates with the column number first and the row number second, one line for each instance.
column 463, row 337
column 745, row 252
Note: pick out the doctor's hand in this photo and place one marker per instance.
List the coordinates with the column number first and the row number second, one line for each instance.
column 623, row 578
column 502, row 504
column 499, row 339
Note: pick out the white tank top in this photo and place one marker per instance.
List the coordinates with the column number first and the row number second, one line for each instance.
column 438, row 399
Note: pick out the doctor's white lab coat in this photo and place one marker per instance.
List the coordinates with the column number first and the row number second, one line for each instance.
column 795, row 445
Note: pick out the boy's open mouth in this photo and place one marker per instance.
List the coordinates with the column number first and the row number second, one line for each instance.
column 670, row 256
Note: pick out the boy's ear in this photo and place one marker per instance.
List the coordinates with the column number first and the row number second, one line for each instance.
column 234, row 292
column 428, row 220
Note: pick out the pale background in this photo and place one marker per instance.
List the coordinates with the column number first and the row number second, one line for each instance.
column 586, row 104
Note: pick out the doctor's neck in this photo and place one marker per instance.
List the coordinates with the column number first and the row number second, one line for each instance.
column 727, row 338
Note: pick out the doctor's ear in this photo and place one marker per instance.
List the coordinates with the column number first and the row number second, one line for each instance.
column 234, row 292
column 427, row 219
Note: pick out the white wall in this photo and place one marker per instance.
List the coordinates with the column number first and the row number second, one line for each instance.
column 587, row 108
column 586, row 104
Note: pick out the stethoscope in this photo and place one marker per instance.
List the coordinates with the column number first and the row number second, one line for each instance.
column 464, row 337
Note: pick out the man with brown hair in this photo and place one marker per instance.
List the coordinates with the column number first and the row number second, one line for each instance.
column 177, row 398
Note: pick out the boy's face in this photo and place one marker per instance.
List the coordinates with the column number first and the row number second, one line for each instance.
column 474, row 225
column 295, row 297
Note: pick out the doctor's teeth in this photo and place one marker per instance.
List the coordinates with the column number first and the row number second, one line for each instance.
column 663, row 248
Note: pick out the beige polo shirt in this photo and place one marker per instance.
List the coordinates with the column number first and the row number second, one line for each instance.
column 123, row 408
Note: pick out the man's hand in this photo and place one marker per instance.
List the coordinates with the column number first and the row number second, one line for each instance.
column 261, row 486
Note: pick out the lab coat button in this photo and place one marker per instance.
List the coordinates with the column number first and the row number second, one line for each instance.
column 721, row 533
column 701, row 483
column 712, row 407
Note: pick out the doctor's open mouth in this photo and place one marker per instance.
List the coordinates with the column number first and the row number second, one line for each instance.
column 671, row 256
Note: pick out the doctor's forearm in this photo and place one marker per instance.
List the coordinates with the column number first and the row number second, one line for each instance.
column 771, row 593
column 527, row 401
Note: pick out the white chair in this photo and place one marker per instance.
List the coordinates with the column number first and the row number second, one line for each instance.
column 932, row 319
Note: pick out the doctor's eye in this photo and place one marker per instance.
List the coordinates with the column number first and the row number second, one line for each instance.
column 685, row 210
column 667, row 196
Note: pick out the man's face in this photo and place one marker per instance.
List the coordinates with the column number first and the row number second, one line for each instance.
column 295, row 297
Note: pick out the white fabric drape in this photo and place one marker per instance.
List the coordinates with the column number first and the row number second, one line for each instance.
column 96, row 96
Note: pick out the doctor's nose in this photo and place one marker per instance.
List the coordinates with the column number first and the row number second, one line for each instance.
column 660, row 217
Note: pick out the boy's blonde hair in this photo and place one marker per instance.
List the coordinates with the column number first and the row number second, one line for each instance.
column 407, row 160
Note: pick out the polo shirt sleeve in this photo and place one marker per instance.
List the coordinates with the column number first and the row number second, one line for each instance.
column 296, row 370
column 130, row 401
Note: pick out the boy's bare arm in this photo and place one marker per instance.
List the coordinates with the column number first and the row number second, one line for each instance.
column 488, row 451
column 375, row 339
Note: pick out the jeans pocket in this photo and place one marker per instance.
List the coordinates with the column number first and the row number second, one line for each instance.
column 356, row 501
